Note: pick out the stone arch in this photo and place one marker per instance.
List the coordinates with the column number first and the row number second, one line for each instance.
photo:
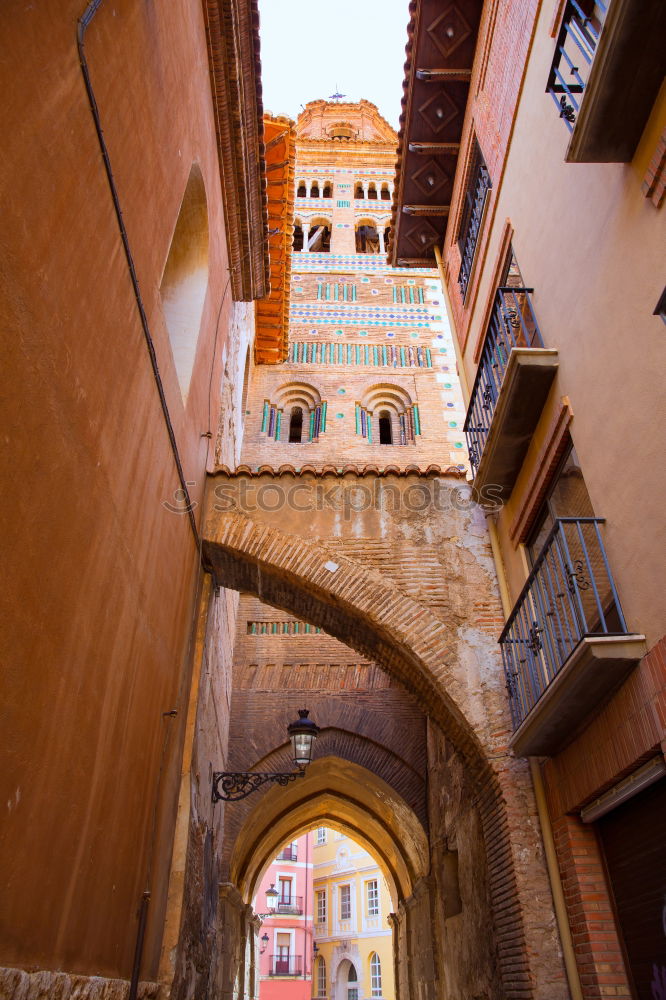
column 354, row 603
column 343, row 796
column 341, row 974
column 184, row 281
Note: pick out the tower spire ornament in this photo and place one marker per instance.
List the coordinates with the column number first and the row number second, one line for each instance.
column 337, row 96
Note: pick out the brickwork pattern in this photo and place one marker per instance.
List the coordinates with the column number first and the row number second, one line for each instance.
column 591, row 916
column 366, row 611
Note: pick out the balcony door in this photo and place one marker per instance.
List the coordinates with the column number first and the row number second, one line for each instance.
column 282, row 955
column 284, row 888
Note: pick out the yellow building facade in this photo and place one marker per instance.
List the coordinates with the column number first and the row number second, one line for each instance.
column 352, row 933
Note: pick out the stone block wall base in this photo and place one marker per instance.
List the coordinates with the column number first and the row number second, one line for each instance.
column 15, row 984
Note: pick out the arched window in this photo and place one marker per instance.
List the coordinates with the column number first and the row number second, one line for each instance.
column 375, row 975
column 367, row 239
column 328, row 190
column 314, row 190
column 302, row 190
column 386, row 194
column 359, row 191
column 385, row 429
column 372, row 192
column 321, row 977
column 185, row 278
column 296, row 425
column 352, row 983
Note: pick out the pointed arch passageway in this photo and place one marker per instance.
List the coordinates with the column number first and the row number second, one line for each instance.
column 414, row 760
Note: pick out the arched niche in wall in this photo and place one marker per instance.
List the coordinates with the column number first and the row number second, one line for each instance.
column 185, row 278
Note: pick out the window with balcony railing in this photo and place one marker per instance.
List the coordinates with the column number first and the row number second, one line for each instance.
column 512, row 324
column 285, row 964
column 289, row 904
column 289, row 853
column 570, row 593
column 478, row 186
column 574, row 54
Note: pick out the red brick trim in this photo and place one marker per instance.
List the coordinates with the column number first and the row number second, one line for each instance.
column 557, row 439
column 590, row 910
column 505, row 243
column 654, row 182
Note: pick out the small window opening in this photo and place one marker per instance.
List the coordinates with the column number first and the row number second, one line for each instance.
column 314, row 190
column 296, row 425
column 386, row 194
column 385, row 431
column 298, row 237
column 302, row 191
column 359, row 191
column 328, row 192
column 372, row 192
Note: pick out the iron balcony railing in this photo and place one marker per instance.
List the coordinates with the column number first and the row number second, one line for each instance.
column 288, row 854
column 569, row 594
column 469, row 232
column 574, row 54
column 286, row 965
column 289, row 904
column 512, row 324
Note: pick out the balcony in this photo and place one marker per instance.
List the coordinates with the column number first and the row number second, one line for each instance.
column 289, row 904
column 565, row 647
column 286, row 965
column 606, row 73
column 512, row 382
column 288, row 854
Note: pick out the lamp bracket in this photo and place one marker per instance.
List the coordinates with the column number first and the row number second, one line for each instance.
column 230, row 786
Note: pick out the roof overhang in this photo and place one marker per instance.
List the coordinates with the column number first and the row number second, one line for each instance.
column 272, row 311
column 232, row 28
column 440, row 53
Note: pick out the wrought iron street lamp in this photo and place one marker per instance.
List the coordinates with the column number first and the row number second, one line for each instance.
column 230, row 786
column 264, row 943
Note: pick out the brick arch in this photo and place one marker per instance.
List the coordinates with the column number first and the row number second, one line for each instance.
column 390, row 742
column 344, row 796
column 352, row 603
column 355, row 605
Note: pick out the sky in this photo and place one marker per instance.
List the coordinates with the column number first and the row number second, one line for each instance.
column 311, row 48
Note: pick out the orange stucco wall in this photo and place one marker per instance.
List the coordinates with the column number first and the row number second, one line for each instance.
column 103, row 575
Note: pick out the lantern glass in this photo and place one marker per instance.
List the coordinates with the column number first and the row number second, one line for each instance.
column 302, row 733
column 272, row 898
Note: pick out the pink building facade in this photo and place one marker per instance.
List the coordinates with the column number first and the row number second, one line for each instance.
column 285, row 961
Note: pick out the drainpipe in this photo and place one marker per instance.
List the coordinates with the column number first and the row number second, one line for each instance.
column 559, row 904
column 82, row 26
